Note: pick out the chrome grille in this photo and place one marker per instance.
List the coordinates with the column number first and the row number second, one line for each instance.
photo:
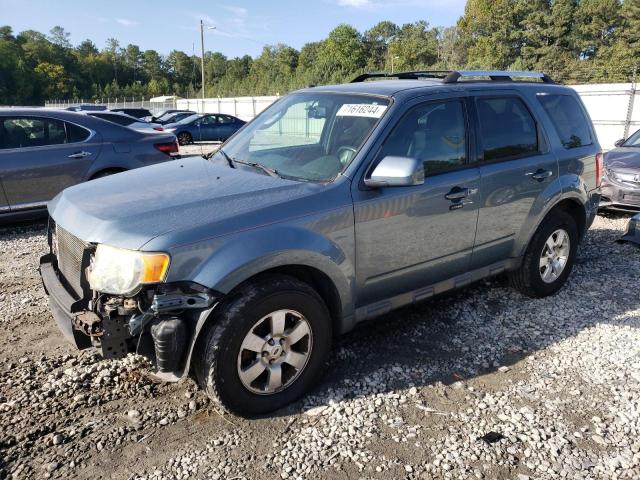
column 69, row 250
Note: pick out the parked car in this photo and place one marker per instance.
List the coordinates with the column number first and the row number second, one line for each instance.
column 87, row 108
column 208, row 127
column 174, row 117
column 140, row 113
column 43, row 151
column 621, row 182
column 632, row 235
column 335, row 205
column 128, row 121
column 168, row 111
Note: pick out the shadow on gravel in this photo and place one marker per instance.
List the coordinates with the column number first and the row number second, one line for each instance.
column 475, row 331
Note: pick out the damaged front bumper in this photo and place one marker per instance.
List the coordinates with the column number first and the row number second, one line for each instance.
column 160, row 323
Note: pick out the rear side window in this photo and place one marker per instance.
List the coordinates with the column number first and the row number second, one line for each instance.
column 76, row 134
column 568, row 119
column 23, row 132
column 507, row 129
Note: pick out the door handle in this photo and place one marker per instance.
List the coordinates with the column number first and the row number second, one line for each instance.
column 79, row 154
column 457, row 193
column 540, row 174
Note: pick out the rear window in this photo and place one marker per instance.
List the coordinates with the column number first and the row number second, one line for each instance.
column 568, row 119
column 76, row 133
column 118, row 119
column 507, row 129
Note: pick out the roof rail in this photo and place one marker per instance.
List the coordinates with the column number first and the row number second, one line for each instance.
column 452, row 76
column 495, row 75
column 439, row 74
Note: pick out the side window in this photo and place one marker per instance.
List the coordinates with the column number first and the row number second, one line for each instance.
column 225, row 119
column 434, row 133
column 208, row 120
column 568, row 119
column 32, row 132
column 507, row 129
column 76, row 133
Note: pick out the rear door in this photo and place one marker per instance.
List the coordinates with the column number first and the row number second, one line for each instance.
column 516, row 166
column 226, row 126
column 41, row 157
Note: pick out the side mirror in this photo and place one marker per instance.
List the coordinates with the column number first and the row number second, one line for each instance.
column 396, row 172
column 620, row 142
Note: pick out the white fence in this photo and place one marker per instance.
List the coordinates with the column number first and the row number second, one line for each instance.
column 612, row 107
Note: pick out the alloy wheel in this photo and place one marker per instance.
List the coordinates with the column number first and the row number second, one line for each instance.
column 274, row 352
column 554, row 256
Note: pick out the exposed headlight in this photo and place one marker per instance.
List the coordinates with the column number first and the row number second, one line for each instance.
column 119, row 271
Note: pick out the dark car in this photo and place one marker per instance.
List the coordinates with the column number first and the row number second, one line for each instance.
column 134, row 112
column 87, row 108
column 164, row 113
column 208, row 127
column 335, row 205
column 174, row 117
column 44, row 151
column 621, row 182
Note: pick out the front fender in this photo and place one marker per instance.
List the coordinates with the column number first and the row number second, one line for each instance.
column 225, row 262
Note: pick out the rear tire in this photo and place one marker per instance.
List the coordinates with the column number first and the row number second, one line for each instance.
column 185, row 138
column 549, row 258
column 248, row 377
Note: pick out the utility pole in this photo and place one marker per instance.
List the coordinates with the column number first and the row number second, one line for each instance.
column 202, row 60
column 202, row 57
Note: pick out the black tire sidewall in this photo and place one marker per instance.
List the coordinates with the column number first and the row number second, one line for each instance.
column 558, row 220
column 225, row 375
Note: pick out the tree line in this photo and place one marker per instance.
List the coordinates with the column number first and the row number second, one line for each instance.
column 572, row 40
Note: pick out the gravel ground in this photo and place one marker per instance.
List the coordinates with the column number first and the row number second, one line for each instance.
column 481, row 383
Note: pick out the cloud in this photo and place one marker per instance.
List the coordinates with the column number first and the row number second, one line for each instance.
column 354, row 3
column 125, row 22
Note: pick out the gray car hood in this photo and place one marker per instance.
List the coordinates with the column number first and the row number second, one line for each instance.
column 623, row 158
column 129, row 209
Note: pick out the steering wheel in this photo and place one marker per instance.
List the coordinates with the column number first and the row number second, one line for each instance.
column 345, row 154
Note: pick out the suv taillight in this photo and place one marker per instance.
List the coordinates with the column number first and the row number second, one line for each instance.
column 168, row 147
column 599, row 168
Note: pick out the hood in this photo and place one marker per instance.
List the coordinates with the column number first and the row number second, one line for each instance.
column 623, row 158
column 129, row 209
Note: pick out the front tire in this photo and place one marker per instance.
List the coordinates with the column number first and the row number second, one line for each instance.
column 549, row 258
column 265, row 347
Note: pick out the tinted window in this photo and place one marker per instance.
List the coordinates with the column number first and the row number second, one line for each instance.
column 32, row 132
column 226, row 119
column 507, row 129
column 76, row 133
column 433, row 133
column 568, row 119
column 208, row 120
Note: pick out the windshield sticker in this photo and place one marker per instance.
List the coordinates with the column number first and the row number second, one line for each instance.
column 361, row 110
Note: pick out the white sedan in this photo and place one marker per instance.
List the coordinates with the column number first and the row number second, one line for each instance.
column 128, row 121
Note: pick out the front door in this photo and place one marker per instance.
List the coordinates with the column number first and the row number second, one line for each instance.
column 516, row 166
column 209, row 128
column 409, row 237
column 41, row 157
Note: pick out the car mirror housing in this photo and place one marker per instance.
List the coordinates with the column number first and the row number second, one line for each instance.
column 620, row 142
column 395, row 171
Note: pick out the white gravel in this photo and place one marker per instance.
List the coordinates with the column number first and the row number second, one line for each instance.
column 481, row 383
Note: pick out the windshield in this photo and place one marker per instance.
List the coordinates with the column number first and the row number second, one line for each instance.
column 311, row 136
column 633, row 140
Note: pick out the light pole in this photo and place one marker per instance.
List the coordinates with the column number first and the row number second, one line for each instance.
column 392, row 58
column 202, row 57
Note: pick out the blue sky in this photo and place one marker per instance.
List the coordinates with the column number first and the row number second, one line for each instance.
column 243, row 27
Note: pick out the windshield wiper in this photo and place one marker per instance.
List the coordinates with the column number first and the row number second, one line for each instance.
column 269, row 171
column 209, row 156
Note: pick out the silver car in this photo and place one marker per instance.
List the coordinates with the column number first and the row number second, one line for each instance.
column 621, row 181
column 44, row 151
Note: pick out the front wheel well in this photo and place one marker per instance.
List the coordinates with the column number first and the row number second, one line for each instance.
column 317, row 280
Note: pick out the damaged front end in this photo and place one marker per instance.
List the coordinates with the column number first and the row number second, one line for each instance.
column 159, row 321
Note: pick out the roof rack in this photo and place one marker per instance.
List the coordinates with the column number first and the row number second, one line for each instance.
column 452, row 76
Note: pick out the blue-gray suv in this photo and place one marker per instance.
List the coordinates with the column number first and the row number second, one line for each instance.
column 335, row 205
